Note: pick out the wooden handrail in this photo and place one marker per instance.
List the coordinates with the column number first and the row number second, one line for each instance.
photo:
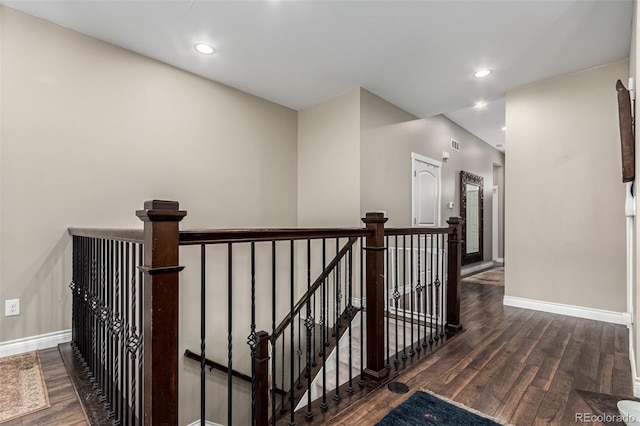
column 417, row 231
column 212, row 364
column 216, row 236
column 305, row 298
column 128, row 235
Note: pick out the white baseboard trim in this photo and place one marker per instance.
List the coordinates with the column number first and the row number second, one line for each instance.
column 466, row 270
column 28, row 344
column 570, row 310
column 499, row 260
column 206, row 422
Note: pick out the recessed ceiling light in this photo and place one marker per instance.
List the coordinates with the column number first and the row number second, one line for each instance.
column 504, row 128
column 480, row 105
column 482, row 73
column 204, row 48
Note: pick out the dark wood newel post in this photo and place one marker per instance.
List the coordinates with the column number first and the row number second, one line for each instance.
column 375, row 248
column 453, row 275
column 160, row 300
column 262, row 379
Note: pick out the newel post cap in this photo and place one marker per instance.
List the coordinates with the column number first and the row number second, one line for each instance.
column 374, row 217
column 162, row 211
column 455, row 220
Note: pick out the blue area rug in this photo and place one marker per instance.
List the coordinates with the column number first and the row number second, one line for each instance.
column 423, row 408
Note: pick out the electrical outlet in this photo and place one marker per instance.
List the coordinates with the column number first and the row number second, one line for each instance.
column 11, row 307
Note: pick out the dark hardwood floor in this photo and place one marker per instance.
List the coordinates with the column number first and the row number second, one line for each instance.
column 65, row 407
column 518, row 365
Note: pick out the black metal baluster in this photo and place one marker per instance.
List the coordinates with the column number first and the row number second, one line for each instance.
column 431, row 291
column 323, row 328
column 362, row 322
column 309, row 323
column 443, row 288
column 282, row 408
column 100, row 312
column 427, row 289
column 86, row 296
column 126, row 306
column 291, row 290
column 203, row 285
column 131, row 332
column 419, row 294
column 253, row 338
column 437, row 284
column 140, row 336
column 273, row 332
column 412, row 352
column 106, row 332
column 229, row 332
column 337, row 396
column 92, row 313
column 110, row 402
column 116, row 394
column 124, row 303
column 350, row 318
column 386, row 298
column 404, row 297
column 396, row 297
column 299, row 351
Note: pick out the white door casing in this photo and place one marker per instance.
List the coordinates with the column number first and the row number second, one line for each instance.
column 426, row 191
column 495, row 223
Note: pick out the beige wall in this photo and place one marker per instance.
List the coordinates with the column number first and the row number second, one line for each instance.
column 565, row 223
column 329, row 162
column 90, row 131
column 390, row 135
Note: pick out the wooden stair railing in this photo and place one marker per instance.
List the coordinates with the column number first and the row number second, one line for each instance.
column 103, row 265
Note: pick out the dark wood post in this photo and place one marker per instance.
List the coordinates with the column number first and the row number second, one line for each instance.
column 453, row 276
column 161, row 257
column 375, row 248
column 262, row 379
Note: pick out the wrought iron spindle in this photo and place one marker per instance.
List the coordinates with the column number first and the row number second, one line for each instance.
column 419, row 288
column 396, row 297
column 350, row 318
column 124, row 303
column 299, row 351
column 253, row 338
column 309, row 323
column 443, row 270
column 362, row 322
column 431, row 291
column 126, row 321
column 387, row 288
column 203, row 329
column 437, row 285
column 323, row 328
column 95, row 338
column 103, row 287
column 273, row 331
column 404, row 297
column 230, row 333
column 338, row 294
column 291, row 293
column 412, row 352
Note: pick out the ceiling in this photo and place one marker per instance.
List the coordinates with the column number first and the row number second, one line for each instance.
column 418, row 55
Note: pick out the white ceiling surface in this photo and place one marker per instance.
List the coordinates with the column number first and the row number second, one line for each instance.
column 485, row 123
column 419, row 55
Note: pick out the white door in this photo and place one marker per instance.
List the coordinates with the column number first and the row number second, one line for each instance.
column 426, row 191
